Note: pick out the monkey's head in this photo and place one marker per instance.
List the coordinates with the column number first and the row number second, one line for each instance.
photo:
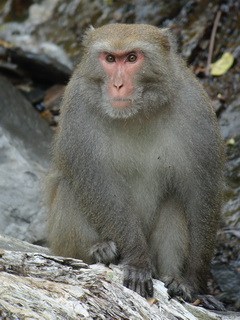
column 127, row 67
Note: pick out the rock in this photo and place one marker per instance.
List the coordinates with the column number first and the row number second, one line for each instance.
column 24, row 148
column 13, row 244
column 230, row 120
column 225, row 269
column 22, row 45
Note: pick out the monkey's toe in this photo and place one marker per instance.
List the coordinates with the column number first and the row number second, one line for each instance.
column 105, row 252
column 177, row 287
column 209, row 302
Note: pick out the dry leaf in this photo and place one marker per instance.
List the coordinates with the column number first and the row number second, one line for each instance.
column 230, row 142
column 222, row 65
column 5, row 44
column 152, row 301
column 196, row 302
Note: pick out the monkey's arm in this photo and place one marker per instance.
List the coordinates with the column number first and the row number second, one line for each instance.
column 104, row 203
column 114, row 220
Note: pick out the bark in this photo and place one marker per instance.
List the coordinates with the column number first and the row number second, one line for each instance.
column 36, row 285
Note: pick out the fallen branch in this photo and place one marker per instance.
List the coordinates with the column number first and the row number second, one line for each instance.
column 40, row 286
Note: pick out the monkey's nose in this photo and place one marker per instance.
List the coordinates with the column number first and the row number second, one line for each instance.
column 118, row 86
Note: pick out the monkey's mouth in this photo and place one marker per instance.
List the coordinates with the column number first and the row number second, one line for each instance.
column 120, row 103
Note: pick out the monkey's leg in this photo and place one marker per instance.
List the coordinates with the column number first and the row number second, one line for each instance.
column 170, row 246
column 185, row 248
column 203, row 215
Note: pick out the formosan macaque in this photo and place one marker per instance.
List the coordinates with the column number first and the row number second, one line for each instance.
column 137, row 163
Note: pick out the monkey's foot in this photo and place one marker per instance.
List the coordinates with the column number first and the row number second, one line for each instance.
column 105, row 252
column 177, row 287
column 209, row 302
column 138, row 280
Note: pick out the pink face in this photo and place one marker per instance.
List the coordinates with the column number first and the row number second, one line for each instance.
column 120, row 67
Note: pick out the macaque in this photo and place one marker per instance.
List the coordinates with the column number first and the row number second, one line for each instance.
column 137, row 163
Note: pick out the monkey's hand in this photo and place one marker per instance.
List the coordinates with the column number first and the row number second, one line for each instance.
column 105, row 252
column 178, row 287
column 139, row 280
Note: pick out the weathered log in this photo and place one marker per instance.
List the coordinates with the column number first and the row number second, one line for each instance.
column 41, row 286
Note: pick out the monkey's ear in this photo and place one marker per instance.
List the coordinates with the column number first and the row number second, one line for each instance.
column 171, row 40
column 87, row 36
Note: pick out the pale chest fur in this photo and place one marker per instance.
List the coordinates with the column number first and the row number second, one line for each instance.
column 145, row 154
column 146, row 160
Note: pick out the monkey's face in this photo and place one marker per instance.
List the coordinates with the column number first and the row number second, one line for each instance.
column 120, row 68
column 130, row 69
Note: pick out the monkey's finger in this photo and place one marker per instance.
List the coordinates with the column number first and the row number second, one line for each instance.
column 173, row 292
column 143, row 291
column 126, row 282
column 168, row 282
column 149, row 287
column 132, row 284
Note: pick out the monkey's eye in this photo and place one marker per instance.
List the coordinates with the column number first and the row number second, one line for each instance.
column 132, row 57
column 110, row 58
